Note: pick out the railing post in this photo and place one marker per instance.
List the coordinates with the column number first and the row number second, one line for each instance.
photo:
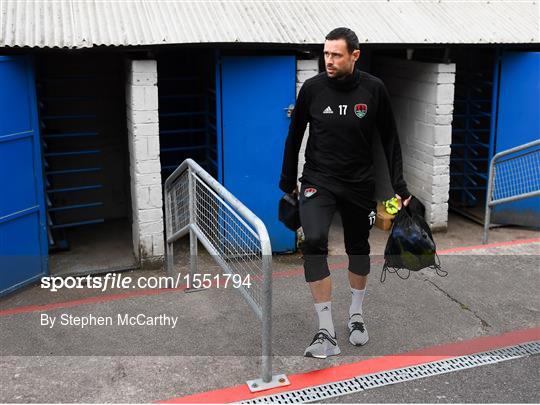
column 169, row 253
column 267, row 380
column 193, row 254
column 266, row 374
column 487, row 216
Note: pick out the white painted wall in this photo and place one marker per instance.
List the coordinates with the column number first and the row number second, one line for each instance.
column 305, row 69
column 145, row 167
column 423, row 101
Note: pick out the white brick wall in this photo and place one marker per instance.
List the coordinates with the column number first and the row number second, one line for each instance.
column 423, row 101
column 304, row 70
column 145, row 167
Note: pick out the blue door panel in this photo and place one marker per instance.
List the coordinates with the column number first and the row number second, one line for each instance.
column 14, row 100
column 16, row 174
column 23, row 250
column 518, row 119
column 518, row 122
column 256, row 91
column 23, row 238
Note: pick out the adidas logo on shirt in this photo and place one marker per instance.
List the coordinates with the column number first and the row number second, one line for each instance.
column 328, row 110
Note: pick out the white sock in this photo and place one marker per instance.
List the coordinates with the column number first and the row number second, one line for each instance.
column 356, row 302
column 324, row 311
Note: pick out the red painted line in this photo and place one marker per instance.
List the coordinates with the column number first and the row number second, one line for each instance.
column 374, row 365
column 490, row 245
column 90, row 300
column 285, row 273
column 380, row 260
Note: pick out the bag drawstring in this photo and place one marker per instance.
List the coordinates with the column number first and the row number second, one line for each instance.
column 437, row 267
column 393, row 270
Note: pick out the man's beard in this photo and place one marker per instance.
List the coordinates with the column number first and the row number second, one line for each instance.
column 338, row 74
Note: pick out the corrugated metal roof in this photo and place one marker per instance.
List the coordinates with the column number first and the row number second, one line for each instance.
column 86, row 23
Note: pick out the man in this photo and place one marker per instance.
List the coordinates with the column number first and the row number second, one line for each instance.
column 343, row 107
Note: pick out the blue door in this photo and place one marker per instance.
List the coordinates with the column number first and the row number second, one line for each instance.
column 518, row 122
column 23, row 234
column 256, row 91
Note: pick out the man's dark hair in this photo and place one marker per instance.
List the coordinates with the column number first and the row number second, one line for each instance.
column 348, row 35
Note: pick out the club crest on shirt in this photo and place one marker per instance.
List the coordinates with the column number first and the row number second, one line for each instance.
column 308, row 192
column 360, row 110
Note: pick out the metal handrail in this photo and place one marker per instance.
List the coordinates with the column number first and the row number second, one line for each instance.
column 490, row 201
column 255, row 221
column 188, row 191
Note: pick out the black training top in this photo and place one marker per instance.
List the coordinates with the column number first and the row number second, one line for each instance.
column 342, row 114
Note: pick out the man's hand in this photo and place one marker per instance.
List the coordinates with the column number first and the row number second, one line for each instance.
column 404, row 203
column 294, row 193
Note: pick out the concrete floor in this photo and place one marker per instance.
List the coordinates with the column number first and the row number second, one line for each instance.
column 217, row 344
column 96, row 249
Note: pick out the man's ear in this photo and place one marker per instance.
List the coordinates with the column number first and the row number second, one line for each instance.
column 356, row 54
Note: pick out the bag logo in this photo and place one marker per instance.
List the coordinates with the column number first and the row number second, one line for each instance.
column 371, row 218
column 360, row 110
column 308, row 192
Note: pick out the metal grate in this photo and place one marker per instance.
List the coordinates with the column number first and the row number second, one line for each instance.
column 178, row 199
column 517, row 175
column 365, row 382
column 236, row 246
column 514, row 174
column 232, row 238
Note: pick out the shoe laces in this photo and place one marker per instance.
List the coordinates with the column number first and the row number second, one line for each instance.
column 320, row 337
column 357, row 325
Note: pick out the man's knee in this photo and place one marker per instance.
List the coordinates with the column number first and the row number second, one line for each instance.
column 315, row 268
column 358, row 247
column 315, row 244
column 359, row 262
column 315, row 250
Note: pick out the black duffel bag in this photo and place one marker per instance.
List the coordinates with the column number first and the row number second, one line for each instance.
column 410, row 245
column 288, row 212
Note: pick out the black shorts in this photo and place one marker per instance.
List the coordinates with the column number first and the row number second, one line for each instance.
column 318, row 205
